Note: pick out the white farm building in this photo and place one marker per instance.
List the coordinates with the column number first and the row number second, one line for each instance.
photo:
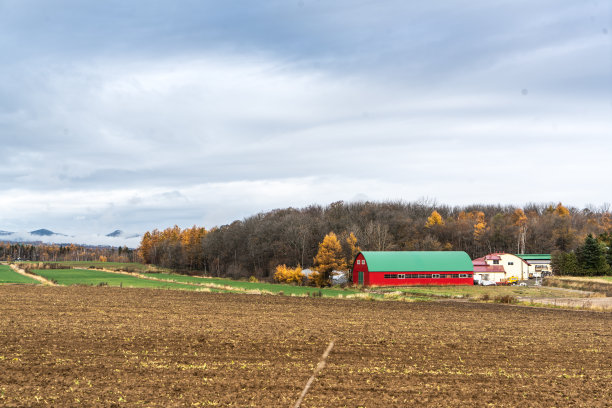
column 498, row 267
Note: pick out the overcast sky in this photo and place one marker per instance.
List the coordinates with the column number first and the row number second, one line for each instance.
column 136, row 115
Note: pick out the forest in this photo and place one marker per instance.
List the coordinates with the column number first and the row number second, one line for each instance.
column 256, row 245
column 11, row 251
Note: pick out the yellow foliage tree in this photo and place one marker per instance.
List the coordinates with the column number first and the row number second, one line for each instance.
column 145, row 247
column 329, row 258
column 434, row 219
column 285, row 274
column 561, row 211
column 520, row 220
column 480, row 226
column 103, row 258
column 352, row 243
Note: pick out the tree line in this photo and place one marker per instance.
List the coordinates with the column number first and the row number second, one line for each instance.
column 61, row 253
column 256, row 245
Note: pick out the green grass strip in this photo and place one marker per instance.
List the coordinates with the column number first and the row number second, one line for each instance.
column 94, row 277
column 7, row 275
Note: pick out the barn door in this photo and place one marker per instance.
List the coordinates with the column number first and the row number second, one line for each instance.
column 361, row 277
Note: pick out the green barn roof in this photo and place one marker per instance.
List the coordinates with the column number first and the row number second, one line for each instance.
column 533, row 257
column 417, row 261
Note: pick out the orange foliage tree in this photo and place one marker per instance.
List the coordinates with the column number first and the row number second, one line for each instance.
column 328, row 259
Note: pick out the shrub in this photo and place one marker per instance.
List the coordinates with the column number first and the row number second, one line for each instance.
column 508, row 299
column 253, row 279
column 285, row 274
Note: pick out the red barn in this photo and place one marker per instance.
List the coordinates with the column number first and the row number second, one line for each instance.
column 396, row 268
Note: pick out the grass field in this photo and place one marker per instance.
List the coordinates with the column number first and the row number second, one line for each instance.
column 603, row 278
column 7, row 275
column 167, row 280
column 476, row 292
column 243, row 285
column 111, row 347
column 95, row 277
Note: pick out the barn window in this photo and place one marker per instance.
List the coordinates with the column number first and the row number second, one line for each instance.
column 463, row 275
column 496, row 262
column 390, row 276
column 455, row 275
column 510, row 263
column 436, row 276
column 401, row 276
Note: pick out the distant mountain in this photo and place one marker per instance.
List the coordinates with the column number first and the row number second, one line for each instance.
column 115, row 233
column 44, row 233
column 6, row 232
column 121, row 234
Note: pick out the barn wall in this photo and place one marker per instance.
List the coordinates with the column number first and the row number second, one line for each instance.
column 378, row 279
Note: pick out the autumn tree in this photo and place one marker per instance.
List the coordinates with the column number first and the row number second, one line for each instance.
column 434, row 219
column 328, row 259
column 354, row 249
column 519, row 219
column 480, row 225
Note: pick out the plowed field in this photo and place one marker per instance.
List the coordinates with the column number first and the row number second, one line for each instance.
column 104, row 346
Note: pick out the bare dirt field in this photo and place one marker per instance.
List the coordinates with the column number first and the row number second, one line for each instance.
column 596, row 303
column 103, row 346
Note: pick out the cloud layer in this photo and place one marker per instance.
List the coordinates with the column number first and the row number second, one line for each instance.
column 145, row 114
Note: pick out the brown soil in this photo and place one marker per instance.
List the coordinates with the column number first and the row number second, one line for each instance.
column 90, row 346
column 595, row 303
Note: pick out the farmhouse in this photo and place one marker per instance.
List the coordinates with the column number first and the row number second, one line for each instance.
column 395, row 268
column 498, row 267
column 488, row 272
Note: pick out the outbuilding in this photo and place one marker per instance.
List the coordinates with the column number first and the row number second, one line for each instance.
column 398, row 268
column 539, row 264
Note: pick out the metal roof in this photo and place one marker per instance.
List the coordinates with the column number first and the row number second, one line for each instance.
column 489, row 268
column 479, row 261
column 532, row 257
column 416, row 261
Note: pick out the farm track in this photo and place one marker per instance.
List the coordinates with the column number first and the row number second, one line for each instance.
column 104, row 346
column 597, row 303
column 33, row 276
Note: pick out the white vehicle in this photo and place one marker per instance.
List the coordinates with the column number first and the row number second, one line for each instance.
column 487, row 283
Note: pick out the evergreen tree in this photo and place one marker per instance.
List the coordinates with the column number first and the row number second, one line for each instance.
column 592, row 257
column 565, row 264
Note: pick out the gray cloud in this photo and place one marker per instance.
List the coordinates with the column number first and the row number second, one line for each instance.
column 136, row 115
